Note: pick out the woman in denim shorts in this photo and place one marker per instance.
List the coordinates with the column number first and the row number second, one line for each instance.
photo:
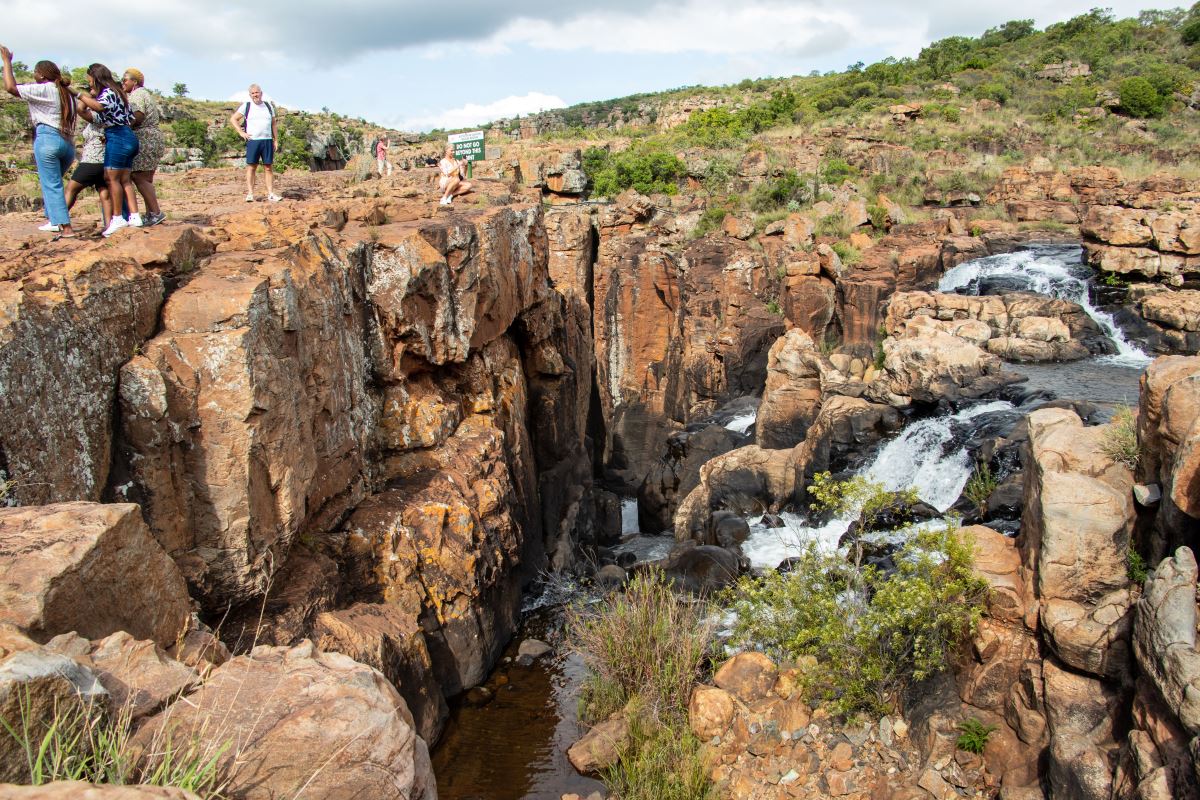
column 110, row 105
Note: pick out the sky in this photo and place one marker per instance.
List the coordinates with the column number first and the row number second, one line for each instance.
column 456, row 63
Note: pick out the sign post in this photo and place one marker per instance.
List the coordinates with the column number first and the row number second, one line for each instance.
column 469, row 146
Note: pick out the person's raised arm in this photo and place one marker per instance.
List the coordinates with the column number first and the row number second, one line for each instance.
column 90, row 102
column 84, row 111
column 10, row 80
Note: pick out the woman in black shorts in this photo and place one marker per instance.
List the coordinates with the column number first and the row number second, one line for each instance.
column 89, row 174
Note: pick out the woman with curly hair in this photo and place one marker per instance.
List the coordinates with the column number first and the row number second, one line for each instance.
column 52, row 110
column 151, row 144
column 110, row 105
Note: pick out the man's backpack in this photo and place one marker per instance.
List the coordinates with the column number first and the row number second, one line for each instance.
column 246, row 113
column 374, row 146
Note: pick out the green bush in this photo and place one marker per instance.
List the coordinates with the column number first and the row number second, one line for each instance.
column 660, row 763
column 776, row 193
column 1190, row 32
column 647, row 167
column 867, row 634
column 847, row 253
column 715, row 127
column 973, row 735
column 980, row 485
column 1140, row 99
column 710, row 221
column 837, row 171
column 190, row 133
column 993, row 91
column 1120, row 442
column 1135, row 565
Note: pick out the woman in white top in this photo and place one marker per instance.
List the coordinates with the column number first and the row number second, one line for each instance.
column 453, row 180
column 52, row 109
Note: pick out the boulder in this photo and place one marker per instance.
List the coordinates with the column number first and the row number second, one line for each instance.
column 65, row 331
column 601, row 747
column 1169, row 433
column 90, row 568
column 710, row 711
column 138, row 675
column 305, row 722
column 1164, row 636
column 932, row 365
column 792, row 395
column 1082, row 715
column 749, row 676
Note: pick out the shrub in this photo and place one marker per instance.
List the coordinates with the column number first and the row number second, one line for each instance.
column 993, row 91
column 837, row 171
column 870, row 633
column 1120, row 442
column 645, row 643
column 847, row 253
column 973, row 735
column 647, row 167
column 869, row 500
column 1140, row 99
column 1190, row 32
column 715, row 127
column 980, row 485
column 1135, row 565
column 775, row 193
column 190, row 133
column 710, row 220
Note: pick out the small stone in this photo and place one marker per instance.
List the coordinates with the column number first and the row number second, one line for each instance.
column 900, row 728
column 791, row 777
column 534, row 648
column 1147, row 494
column 885, row 731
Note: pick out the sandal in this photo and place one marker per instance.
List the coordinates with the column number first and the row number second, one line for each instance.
column 64, row 236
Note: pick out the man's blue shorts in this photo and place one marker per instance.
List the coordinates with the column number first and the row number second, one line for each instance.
column 260, row 151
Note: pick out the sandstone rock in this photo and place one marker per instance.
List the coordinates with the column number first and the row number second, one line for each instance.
column 1119, row 226
column 1164, row 636
column 999, row 562
column 78, row 790
column 305, row 721
column 600, row 748
column 386, row 638
column 90, row 568
column 749, row 675
column 701, row 569
column 1093, row 637
column 1082, row 715
column 534, row 648
column 746, row 472
column 793, row 391
column 138, row 675
column 677, row 472
column 43, row 684
column 1169, row 433
column 710, row 711
column 64, row 333
column 933, row 365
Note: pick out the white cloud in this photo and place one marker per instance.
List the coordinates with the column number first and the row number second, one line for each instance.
column 477, row 113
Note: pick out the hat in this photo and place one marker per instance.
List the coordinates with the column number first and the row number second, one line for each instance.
column 137, row 76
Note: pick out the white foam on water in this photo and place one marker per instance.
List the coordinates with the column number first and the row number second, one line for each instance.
column 629, row 516
column 742, row 422
column 920, row 457
column 646, row 548
column 1050, row 274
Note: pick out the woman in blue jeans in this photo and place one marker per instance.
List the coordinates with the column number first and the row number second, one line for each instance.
column 52, row 109
column 110, row 106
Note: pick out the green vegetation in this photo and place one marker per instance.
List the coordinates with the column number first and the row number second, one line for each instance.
column 1120, row 442
column 1139, row 98
column 847, row 253
column 973, row 735
column 980, row 485
column 1135, row 565
column 648, row 167
column 84, row 743
column 180, row 90
column 866, row 633
column 644, row 650
column 778, row 193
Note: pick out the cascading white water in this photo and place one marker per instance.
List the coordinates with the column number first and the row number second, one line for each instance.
column 921, row 456
column 1054, row 271
column 629, row 516
column 742, row 422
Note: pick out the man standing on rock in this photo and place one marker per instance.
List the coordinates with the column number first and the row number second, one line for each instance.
column 255, row 121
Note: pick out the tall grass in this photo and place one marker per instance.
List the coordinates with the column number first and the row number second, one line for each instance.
column 1120, row 442
column 645, row 642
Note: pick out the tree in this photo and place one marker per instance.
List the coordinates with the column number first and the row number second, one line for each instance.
column 1139, row 98
column 179, row 90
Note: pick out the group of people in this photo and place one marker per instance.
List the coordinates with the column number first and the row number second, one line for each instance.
column 122, row 142
column 452, row 179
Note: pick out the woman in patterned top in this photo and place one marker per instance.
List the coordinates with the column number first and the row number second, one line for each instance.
column 151, row 144
column 110, row 105
column 53, row 114
column 89, row 173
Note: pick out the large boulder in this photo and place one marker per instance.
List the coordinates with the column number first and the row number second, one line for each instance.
column 65, row 331
column 1083, row 715
column 927, row 365
column 1164, row 636
column 1076, row 530
column 792, row 395
column 90, row 568
column 1169, row 434
column 78, row 790
column 305, row 722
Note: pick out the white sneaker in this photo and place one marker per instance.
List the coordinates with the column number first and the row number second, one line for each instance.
column 445, row 201
column 273, row 198
column 250, row 197
column 135, row 220
column 50, row 227
column 114, row 225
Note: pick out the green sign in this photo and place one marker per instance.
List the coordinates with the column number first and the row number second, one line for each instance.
column 468, row 145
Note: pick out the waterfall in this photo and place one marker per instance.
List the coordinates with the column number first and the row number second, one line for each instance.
column 927, row 455
column 742, row 422
column 1051, row 270
column 629, row 516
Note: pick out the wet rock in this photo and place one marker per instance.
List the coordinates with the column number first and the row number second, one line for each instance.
column 792, row 395
column 90, row 568
column 677, row 473
column 729, row 531
column 600, row 748
column 611, row 577
column 772, row 521
column 701, row 569
column 534, row 648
